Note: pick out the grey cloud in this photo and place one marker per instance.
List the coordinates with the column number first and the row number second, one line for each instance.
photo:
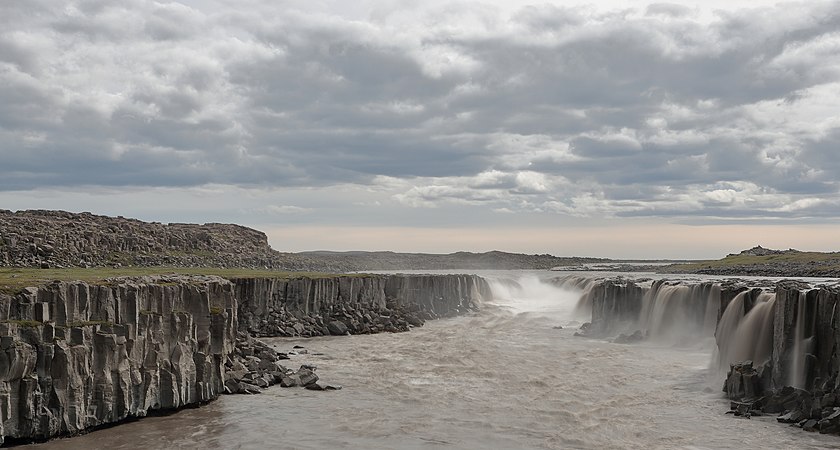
column 647, row 101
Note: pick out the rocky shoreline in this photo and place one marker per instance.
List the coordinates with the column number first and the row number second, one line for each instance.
column 76, row 356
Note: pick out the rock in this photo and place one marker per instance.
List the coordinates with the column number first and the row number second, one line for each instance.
column 637, row 336
column 810, row 425
column 792, row 417
column 831, row 423
column 321, row 386
column 742, row 382
column 558, row 327
column 337, row 328
column 306, row 376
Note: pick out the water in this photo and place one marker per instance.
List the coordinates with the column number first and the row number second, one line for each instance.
column 501, row 378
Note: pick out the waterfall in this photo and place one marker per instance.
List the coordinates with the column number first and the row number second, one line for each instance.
column 583, row 309
column 745, row 336
column 802, row 343
column 679, row 311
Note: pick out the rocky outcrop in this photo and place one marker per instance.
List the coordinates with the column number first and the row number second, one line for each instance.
column 801, row 379
column 56, row 239
column 353, row 304
column 75, row 356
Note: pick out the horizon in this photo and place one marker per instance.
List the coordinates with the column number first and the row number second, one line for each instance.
column 622, row 130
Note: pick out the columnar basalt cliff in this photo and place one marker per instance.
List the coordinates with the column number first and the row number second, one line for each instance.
column 353, row 304
column 75, row 356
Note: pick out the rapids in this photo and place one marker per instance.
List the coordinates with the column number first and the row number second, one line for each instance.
column 503, row 377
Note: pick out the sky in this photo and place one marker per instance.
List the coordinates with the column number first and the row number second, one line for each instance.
column 625, row 129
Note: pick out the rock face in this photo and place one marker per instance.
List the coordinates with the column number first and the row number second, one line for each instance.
column 353, row 304
column 75, row 356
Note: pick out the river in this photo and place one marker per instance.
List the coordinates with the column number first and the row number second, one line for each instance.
column 504, row 377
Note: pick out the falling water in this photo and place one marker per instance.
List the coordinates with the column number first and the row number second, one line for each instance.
column 582, row 284
column 743, row 337
column 678, row 313
column 801, row 345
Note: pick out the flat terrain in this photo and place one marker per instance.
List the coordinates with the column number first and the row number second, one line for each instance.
column 786, row 264
column 14, row 279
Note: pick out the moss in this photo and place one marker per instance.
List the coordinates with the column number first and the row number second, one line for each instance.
column 25, row 323
column 216, row 310
column 12, row 280
column 88, row 323
column 148, row 312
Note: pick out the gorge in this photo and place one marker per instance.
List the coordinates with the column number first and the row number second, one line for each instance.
column 76, row 356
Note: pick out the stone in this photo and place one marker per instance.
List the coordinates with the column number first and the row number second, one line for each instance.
column 337, row 328
column 306, row 376
column 322, row 386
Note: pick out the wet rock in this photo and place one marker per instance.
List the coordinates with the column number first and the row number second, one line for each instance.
column 792, row 417
column 742, row 382
column 637, row 336
column 831, row 422
column 306, row 376
column 322, row 386
column 337, row 328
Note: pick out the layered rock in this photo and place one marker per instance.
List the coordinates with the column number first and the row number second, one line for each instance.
column 75, row 356
column 353, row 304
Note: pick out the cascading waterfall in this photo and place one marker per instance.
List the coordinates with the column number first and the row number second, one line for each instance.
column 802, row 343
column 712, row 309
column 678, row 311
column 745, row 336
column 583, row 308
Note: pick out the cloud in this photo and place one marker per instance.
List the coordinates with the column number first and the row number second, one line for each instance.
column 656, row 110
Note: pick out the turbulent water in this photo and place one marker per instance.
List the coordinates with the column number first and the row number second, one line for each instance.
column 504, row 377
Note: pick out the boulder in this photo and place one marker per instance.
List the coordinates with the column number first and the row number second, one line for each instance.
column 337, row 328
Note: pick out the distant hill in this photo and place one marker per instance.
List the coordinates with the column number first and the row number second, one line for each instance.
column 760, row 261
column 59, row 239
column 493, row 260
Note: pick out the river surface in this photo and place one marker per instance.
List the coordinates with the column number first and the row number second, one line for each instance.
column 503, row 377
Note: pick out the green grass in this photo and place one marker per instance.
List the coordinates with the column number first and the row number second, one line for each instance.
column 24, row 323
column 87, row 323
column 826, row 261
column 12, row 280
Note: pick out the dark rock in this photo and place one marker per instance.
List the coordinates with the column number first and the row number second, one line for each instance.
column 337, row 328
column 637, row 336
column 321, row 386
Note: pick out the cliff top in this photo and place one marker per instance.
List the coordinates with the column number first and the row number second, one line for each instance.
column 759, row 261
column 13, row 280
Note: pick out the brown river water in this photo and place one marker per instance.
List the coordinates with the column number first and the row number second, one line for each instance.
column 502, row 378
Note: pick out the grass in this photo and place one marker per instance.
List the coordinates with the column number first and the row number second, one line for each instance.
column 24, row 323
column 12, row 280
column 826, row 260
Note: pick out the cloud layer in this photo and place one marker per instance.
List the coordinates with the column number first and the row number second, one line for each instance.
column 652, row 111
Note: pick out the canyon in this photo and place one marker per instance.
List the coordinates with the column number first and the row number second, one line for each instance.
column 76, row 356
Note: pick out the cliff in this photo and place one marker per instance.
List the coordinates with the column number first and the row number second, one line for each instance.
column 353, row 304
column 75, row 356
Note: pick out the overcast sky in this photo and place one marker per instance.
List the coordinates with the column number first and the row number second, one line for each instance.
column 615, row 128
